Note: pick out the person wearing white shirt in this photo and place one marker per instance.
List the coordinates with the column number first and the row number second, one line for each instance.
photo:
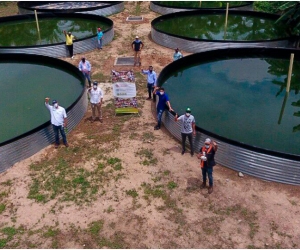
column 177, row 55
column 85, row 67
column 58, row 121
column 96, row 99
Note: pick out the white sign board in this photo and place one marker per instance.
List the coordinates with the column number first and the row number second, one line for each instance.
column 124, row 90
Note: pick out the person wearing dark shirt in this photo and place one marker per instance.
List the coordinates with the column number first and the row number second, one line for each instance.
column 137, row 46
column 163, row 103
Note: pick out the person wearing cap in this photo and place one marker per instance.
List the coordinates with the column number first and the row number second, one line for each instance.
column 58, row 120
column 207, row 156
column 85, row 67
column 177, row 55
column 188, row 129
column 151, row 81
column 99, row 38
column 163, row 103
column 96, row 99
column 137, row 46
column 69, row 42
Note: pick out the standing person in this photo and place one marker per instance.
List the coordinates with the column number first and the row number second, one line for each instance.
column 188, row 129
column 163, row 102
column 151, row 81
column 99, row 37
column 207, row 156
column 69, row 42
column 177, row 55
column 96, row 99
column 85, row 67
column 58, row 120
column 137, row 46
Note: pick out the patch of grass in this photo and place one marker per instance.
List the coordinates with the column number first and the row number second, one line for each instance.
column 132, row 192
column 109, row 209
column 117, row 242
column 155, row 192
column 148, row 136
column 3, row 243
column 51, row 233
column 167, row 172
column 172, row 185
column 9, row 232
column 101, row 77
column 2, row 207
column 113, row 161
column 7, row 183
column 294, row 203
column 95, row 227
column 148, row 156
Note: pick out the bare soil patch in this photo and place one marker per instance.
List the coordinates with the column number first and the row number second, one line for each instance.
column 121, row 184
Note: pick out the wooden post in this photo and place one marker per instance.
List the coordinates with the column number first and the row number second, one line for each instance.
column 37, row 22
column 200, row 4
column 288, row 84
column 283, row 106
column 226, row 19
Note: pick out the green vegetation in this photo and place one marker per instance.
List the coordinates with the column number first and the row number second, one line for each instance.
column 148, row 156
column 268, row 6
column 132, row 192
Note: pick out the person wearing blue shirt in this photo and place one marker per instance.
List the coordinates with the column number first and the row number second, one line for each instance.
column 99, row 38
column 177, row 55
column 85, row 67
column 151, row 81
column 163, row 103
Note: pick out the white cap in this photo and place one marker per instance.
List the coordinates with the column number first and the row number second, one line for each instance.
column 136, row 37
column 207, row 140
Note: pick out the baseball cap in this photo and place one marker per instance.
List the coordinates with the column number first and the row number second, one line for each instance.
column 188, row 110
column 207, row 140
column 54, row 101
column 95, row 83
column 136, row 37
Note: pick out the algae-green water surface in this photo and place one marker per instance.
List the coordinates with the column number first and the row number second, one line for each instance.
column 24, row 32
column 242, row 99
column 212, row 27
column 201, row 4
column 24, row 86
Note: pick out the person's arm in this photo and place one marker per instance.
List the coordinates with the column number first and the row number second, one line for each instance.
column 169, row 105
column 155, row 78
column 215, row 146
column 89, row 67
column 194, row 128
column 80, row 66
column 132, row 45
column 176, row 118
column 154, row 90
column 101, row 96
column 65, row 32
column 65, row 119
column 47, row 103
column 142, row 45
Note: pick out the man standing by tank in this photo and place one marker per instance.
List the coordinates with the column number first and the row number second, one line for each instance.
column 85, row 67
column 151, row 81
column 177, row 55
column 137, row 46
column 96, row 99
column 99, row 38
column 207, row 156
column 163, row 103
column 187, row 129
column 69, row 42
column 58, row 120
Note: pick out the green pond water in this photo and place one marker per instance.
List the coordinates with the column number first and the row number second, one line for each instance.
column 212, row 27
column 24, row 32
column 201, row 4
column 24, row 86
column 242, row 99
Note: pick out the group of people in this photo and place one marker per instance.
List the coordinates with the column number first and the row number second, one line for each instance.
column 188, row 124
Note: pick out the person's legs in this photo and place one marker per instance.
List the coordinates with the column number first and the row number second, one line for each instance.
column 149, row 87
column 135, row 57
column 154, row 96
column 190, row 136
column 63, row 135
column 88, row 77
column 139, row 58
column 210, row 178
column 159, row 116
column 93, row 111
column 99, row 111
column 101, row 43
column 71, row 50
column 55, row 129
column 204, row 171
column 183, row 139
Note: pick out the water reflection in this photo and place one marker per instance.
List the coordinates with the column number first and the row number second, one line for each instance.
column 201, row 4
column 24, row 32
column 211, row 27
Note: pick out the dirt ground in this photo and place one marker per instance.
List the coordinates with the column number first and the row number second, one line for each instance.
column 121, row 184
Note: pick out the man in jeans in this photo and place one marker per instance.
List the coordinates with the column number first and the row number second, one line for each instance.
column 85, row 67
column 151, row 81
column 207, row 156
column 137, row 46
column 96, row 99
column 187, row 129
column 99, row 38
column 163, row 103
column 58, row 120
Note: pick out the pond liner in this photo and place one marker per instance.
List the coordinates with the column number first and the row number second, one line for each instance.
column 59, row 49
column 195, row 45
column 29, row 143
column 251, row 160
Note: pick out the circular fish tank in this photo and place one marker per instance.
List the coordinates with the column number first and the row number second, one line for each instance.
column 20, row 34
column 239, row 98
column 101, row 8
column 25, row 121
column 166, row 7
column 196, row 31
